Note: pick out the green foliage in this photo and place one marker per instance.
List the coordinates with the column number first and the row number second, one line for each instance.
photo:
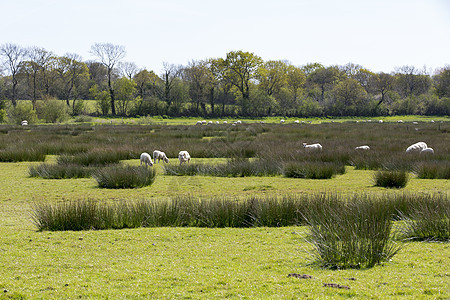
column 124, row 89
column 23, row 111
column 3, row 115
column 352, row 234
column 391, row 179
column 124, row 177
column 103, row 99
column 433, row 170
column 52, row 111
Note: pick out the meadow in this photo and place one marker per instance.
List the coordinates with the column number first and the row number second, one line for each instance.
column 183, row 262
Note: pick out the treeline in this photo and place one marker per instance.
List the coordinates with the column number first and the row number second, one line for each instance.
column 241, row 84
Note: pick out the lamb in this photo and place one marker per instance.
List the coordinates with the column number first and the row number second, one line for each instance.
column 158, row 155
column 183, row 156
column 417, row 147
column 146, row 159
column 427, row 151
column 365, row 147
column 312, row 147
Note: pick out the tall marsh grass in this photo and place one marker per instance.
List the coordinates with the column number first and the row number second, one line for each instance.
column 391, row 179
column 270, row 211
column 60, row 171
column 351, row 234
column 124, row 177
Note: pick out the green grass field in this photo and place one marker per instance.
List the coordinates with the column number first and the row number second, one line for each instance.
column 196, row 263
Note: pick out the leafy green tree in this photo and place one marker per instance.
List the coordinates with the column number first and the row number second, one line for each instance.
column 272, row 76
column 102, row 98
column 441, row 83
column 382, row 83
column 296, row 79
column 72, row 72
column 125, row 90
column 148, row 85
column 201, row 85
column 324, row 78
column 22, row 111
column 410, row 81
column 349, row 96
column 240, row 70
column 52, row 111
column 170, row 73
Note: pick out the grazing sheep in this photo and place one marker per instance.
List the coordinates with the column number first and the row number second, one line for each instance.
column 24, row 123
column 261, row 122
column 146, row 159
column 199, row 123
column 203, row 122
column 417, row 147
column 282, row 121
column 183, row 156
column 400, row 121
column 432, row 121
column 365, row 147
column 158, row 155
column 427, row 151
column 380, row 121
column 312, row 147
column 415, row 123
column 297, row 122
column 238, row 122
column 217, row 122
column 225, row 122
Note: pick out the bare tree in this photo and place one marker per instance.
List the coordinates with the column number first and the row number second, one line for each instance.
column 170, row 72
column 109, row 55
column 14, row 56
column 129, row 69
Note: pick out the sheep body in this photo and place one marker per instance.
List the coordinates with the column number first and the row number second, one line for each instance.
column 183, row 156
column 365, row 147
column 158, row 155
column 312, row 147
column 427, row 151
column 417, row 147
column 24, row 123
column 146, row 159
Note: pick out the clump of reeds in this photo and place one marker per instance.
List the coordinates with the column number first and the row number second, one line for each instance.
column 350, row 234
column 428, row 221
column 124, row 177
column 313, row 170
column 433, row 170
column 60, row 171
column 391, row 179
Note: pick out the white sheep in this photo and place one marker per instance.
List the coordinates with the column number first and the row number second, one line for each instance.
column 146, row 159
column 158, row 155
column 400, row 121
column 380, row 121
column 415, row 123
column 432, row 121
column 312, row 147
column 365, row 147
column 297, row 122
column 427, row 151
column 282, row 121
column 217, row 122
column 24, row 123
column 183, row 156
column 225, row 122
column 210, row 122
column 238, row 122
column 199, row 123
column 417, row 147
column 203, row 122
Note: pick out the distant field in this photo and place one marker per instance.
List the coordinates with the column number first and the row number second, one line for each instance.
column 201, row 263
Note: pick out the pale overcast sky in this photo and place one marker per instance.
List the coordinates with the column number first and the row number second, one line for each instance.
column 379, row 35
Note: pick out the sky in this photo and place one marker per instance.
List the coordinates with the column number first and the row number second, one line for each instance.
column 378, row 35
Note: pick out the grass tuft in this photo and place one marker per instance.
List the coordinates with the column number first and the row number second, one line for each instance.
column 124, row 177
column 391, row 179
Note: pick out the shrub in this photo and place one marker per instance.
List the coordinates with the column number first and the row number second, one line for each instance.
column 23, row 111
column 124, row 177
column 21, row 154
column 391, row 179
column 353, row 234
column 3, row 115
column 53, row 111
